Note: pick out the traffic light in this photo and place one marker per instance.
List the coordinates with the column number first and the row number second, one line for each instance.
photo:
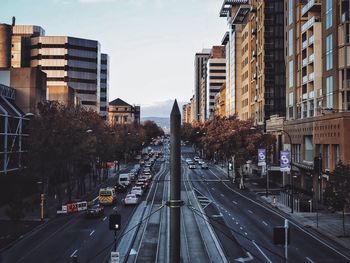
column 114, row 221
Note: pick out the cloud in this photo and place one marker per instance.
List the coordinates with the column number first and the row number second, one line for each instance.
column 94, row 1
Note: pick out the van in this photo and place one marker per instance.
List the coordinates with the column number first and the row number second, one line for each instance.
column 124, row 179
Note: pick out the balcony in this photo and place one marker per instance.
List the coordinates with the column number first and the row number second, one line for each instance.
column 305, row 61
column 304, row 45
column 305, row 79
column 308, row 24
column 311, row 4
column 311, row 58
column 311, row 40
column 311, row 76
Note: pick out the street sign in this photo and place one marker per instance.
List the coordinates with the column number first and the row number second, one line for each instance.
column 261, row 157
column 285, row 161
column 115, row 257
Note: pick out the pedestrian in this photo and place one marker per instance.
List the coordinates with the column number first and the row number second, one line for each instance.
column 274, row 200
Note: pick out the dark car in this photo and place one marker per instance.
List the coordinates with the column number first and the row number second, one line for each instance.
column 95, row 211
column 120, row 188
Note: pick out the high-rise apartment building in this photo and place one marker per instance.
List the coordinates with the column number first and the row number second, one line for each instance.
column 256, row 79
column 216, row 77
column 104, row 86
column 200, row 62
column 317, row 88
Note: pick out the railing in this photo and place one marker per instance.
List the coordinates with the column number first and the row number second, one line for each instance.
column 308, row 24
column 311, row 39
column 305, row 61
column 304, row 45
column 305, row 79
column 311, row 76
column 311, row 58
column 307, row 7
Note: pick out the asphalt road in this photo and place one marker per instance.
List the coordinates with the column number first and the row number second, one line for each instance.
column 62, row 238
column 239, row 217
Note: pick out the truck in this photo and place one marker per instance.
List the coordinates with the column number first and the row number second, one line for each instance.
column 107, row 196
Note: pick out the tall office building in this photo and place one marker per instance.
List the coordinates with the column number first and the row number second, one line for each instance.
column 104, row 86
column 216, row 77
column 200, row 62
column 318, row 90
column 255, row 77
column 73, row 65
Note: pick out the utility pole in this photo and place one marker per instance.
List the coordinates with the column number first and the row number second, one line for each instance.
column 175, row 202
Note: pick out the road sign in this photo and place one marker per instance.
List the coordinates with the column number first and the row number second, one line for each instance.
column 285, row 161
column 115, row 257
column 261, row 157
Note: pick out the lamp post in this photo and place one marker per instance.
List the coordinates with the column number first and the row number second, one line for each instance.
column 291, row 169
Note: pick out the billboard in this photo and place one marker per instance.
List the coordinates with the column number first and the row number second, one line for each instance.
column 261, row 157
column 285, row 161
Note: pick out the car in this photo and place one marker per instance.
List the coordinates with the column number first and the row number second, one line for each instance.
column 200, row 161
column 96, row 210
column 196, row 158
column 137, row 190
column 120, row 188
column 146, row 169
column 140, row 184
column 188, row 160
column 130, row 199
column 204, row 166
column 192, row 166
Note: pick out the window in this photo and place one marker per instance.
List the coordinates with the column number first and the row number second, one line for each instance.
column 309, row 149
column 329, row 16
column 290, row 11
column 336, row 152
column 290, row 42
column 291, row 73
column 291, row 99
column 329, row 92
column 326, row 156
column 329, row 52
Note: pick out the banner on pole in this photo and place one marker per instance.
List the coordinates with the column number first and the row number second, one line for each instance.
column 261, row 157
column 285, row 161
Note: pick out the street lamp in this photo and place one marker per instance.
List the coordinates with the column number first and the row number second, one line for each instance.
column 291, row 169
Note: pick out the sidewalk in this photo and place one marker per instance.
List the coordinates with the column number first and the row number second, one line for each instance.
column 10, row 231
column 325, row 223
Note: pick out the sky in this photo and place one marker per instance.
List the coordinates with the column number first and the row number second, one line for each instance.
column 151, row 43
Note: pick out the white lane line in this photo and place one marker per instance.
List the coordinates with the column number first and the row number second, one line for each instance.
column 74, row 253
column 104, row 218
column 235, row 202
column 236, row 223
column 115, row 208
column 246, row 233
column 250, row 211
column 241, row 228
column 222, row 195
column 92, row 232
column 280, row 215
column 264, row 223
column 95, row 199
column 310, row 260
column 262, row 252
column 213, row 188
column 233, row 218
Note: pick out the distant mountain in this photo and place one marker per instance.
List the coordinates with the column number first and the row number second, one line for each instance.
column 164, row 123
column 159, row 109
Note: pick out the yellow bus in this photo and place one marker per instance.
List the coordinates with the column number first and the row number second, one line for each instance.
column 107, row 196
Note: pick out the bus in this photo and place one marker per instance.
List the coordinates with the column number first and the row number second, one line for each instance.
column 107, row 196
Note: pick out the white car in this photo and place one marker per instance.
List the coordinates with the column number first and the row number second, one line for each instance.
column 196, row 158
column 137, row 190
column 200, row 161
column 192, row 166
column 131, row 199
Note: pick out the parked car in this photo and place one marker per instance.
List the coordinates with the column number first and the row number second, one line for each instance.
column 130, row 199
column 196, row 158
column 96, row 210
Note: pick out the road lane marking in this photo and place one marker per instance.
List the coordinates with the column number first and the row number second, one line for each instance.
column 250, row 211
column 236, row 223
column 264, row 223
column 241, row 228
column 213, row 188
column 115, row 208
column 104, row 218
column 92, row 232
column 262, row 252
column 310, row 260
column 235, row 202
column 222, row 195
column 246, row 233
column 74, row 253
